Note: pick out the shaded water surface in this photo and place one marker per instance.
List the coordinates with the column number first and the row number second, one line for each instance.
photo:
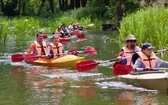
column 25, row 84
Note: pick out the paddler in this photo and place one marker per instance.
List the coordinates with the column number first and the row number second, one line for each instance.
column 39, row 46
column 128, row 50
column 147, row 58
column 55, row 48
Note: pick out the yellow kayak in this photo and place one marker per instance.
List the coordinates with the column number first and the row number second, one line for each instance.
column 65, row 61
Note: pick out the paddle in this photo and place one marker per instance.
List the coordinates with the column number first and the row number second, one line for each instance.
column 32, row 57
column 17, row 57
column 120, row 69
column 88, row 26
column 88, row 50
column 163, row 50
column 45, row 36
column 91, row 64
column 21, row 57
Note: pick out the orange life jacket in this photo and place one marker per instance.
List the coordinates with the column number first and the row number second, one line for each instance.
column 147, row 62
column 38, row 48
column 56, row 50
column 129, row 53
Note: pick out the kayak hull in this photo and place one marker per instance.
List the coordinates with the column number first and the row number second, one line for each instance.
column 65, row 38
column 78, row 34
column 157, row 80
column 65, row 61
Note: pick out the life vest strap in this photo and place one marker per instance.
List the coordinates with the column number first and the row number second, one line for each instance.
column 149, row 59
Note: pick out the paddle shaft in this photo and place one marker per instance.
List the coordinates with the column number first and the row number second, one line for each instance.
column 141, row 69
column 91, row 64
column 158, row 51
column 96, row 63
column 113, row 60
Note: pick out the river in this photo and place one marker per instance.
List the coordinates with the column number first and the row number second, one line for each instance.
column 25, row 84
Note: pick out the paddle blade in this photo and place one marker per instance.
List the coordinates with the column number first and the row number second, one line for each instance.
column 31, row 57
column 86, row 65
column 90, row 25
column 17, row 58
column 120, row 69
column 90, row 51
column 45, row 36
column 73, row 52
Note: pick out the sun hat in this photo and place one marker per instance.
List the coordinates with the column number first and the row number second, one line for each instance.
column 130, row 37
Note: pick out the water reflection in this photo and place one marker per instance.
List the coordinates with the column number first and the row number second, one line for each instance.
column 86, row 90
column 57, row 84
column 18, row 74
column 23, row 84
column 128, row 97
column 124, row 98
column 40, row 88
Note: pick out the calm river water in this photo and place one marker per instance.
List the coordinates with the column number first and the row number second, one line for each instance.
column 25, row 84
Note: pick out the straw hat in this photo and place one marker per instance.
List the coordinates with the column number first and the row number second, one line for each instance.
column 130, row 37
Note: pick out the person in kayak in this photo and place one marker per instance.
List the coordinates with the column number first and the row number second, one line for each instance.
column 124, row 57
column 58, row 30
column 147, row 58
column 55, row 48
column 65, row 31
column 70, row 26
column 128, row 50
column 39, row 46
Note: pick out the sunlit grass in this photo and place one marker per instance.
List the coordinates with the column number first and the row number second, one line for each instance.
column 148, row 25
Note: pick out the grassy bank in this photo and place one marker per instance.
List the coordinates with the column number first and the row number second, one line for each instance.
column 148, row 25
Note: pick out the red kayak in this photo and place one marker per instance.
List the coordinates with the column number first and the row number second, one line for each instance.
column 65, row 38
column 78, row 34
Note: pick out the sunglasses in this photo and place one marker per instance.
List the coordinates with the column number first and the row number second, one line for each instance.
column 131, row 41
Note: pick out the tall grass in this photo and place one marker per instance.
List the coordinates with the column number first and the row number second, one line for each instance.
column 148, row 25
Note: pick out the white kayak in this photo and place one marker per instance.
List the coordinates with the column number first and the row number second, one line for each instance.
column 155, row 80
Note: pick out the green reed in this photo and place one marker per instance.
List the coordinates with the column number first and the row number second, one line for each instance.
column 148, row 25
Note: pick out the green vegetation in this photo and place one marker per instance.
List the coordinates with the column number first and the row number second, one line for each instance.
column 29, row 16
column 148, row 25
column 28, row 26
